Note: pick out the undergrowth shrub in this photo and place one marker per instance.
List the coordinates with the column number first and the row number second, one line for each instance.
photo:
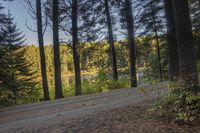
column 180, row 105
column 104, row 83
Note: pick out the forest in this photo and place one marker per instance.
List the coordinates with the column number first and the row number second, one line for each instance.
column 103, row 45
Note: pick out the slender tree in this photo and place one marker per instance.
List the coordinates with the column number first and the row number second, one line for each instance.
column 173, row 56
column 199, row 2
column 2, row 19
column 111, row 40
column 74, row 47
column 195, row 15
column 152, row 20
column 1, row 14
column 101, row 13
column 69, row 14
column 57, row 65
column 157, row 41
column 188, row 64
column 131, row 41
column 41, row 49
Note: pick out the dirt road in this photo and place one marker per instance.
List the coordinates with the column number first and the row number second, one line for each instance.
column 36, row 116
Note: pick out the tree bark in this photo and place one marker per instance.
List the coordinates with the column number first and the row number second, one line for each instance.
column 75, row 45
column 188, row 64
column 131, row 42
column 157, row 44
column 12, row 71
column 199, row 2
column 57, row 67
column 111, row 42
column 172, row 42
column 198, row 54
column 41, row 50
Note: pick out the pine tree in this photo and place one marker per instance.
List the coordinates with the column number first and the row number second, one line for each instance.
column 111, row 39
column 128, row 22
column 74, row 19
column 173, row 56
column 41, row 49
column 128, row 15
column 15, row 75
column 1, row 14
column 195, row 17
column 35, row 11
column 152, row 20
column 103, row 13
column 57, row 65
column 188, row 64
column 74, row 47
column 2, row 18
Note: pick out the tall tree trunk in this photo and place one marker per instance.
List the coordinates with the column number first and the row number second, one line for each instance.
column 41, row 49
column 173, row 56
column 75, row 45
column 12, row 73
column 131, row 42
column 111, row 42
column 198, row 53
column 57, row 67
column 157, row 43
column 188, row 64
column 199, row 2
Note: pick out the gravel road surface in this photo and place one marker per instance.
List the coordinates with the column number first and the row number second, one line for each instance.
column 39, row 115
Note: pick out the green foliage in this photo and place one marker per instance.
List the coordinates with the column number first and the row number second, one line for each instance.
column 91, row 84
column 31, row 97
column 150, row 59
column 16, row 78
column 69, row 88
column 95, row 61
column 89, row 87
column 104, row 83
column 180, row 105
column 94, row 57
column 5, row 96
column 198, row 66
column 151, row 17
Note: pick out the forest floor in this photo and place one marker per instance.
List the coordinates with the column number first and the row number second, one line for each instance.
column 118, row 111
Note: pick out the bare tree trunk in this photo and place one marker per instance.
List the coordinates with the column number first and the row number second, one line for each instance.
column 75, row 45
column 57, row 67
column 12, row 73
column 131, row 42
column 188, row 64
column 173, row 56
column 199, row 2
column 159, row 56
column 111, row 41
column 41, row 49
column 157, row 43
column 198, row 53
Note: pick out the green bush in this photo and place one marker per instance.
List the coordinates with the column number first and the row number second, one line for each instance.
column 89, row 87
column 104, row 83
column 5, row 97
column 101, row 83
column 179, row 105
